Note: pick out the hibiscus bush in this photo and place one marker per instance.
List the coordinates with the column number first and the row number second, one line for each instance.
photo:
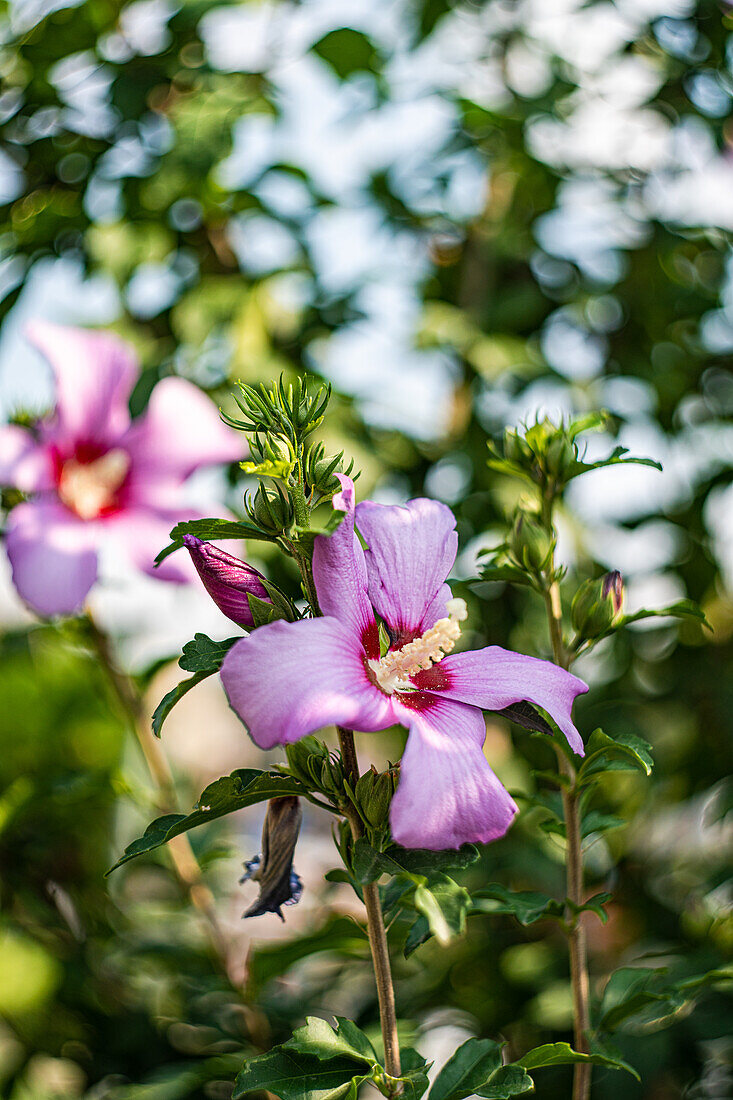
column 400, row 337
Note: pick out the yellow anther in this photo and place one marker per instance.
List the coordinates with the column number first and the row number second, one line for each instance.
column 394, row 670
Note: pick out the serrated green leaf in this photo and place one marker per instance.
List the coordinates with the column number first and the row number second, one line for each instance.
column 293, row 1076
column 593, row 905
column 244, row 787
column 508, row 1081
column 648, row 997
column 595, row 821
column 269, row 467
column 466, row 1070
column 527, row 906
column 512, row 574
column 413, row 1082
column 203, row 654
column 683, row 609
column 212, row 530
column 562, row 1054
column 623, row 752
column 369, row 864
column 619, row 457
column 319, row 1039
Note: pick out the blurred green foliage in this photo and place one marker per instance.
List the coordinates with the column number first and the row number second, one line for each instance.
column 112, row 152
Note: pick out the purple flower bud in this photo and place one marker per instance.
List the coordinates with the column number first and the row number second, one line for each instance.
column 227, row 579
column 613, row 583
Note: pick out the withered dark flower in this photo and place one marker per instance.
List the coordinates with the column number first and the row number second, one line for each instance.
column 273, row 869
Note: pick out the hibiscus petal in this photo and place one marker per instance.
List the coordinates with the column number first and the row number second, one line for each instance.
column 94, row 374
column 410, row 552
column 179, row 431
column 494, row 678
column 290, row 679
column 447, row 794
column 24, row 464
column 54, row 563
column 340, row 575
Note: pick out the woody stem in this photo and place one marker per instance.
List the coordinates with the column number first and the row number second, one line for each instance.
column 574, row 859
column 185, row 864
column 375, row 929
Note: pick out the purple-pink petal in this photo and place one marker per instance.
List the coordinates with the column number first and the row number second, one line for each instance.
column 228, row 580
column 94, row 374
column 447, row 794
column 494, row 678
column 290, row 679
column 179, row 431
column 340, row 575
column 24, row 463
column 410, row 553
column 54, row 562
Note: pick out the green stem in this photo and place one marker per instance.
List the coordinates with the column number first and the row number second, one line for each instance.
column 574, row 867
column 375, row 928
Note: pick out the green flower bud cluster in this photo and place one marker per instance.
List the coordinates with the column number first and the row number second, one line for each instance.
column 373, row 794
column 310, row 761
column 291, row 411
column 544, row 453
column 271, row 509
column 320, row 470
column 530, row 543
column 597, row 605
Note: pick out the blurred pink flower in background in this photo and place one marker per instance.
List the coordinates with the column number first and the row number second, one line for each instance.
column 92, row 473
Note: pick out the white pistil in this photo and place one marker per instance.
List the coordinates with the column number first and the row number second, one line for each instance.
column 90, row 487
column 394, row 670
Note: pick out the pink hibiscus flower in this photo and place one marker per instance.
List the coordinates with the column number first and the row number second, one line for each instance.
column 289, row 679
column 94, row 474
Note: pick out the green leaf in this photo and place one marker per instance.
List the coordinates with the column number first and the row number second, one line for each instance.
column 648, row 997
column 414, row 1079
column 242, row 788
column 443, row 904
column 169, row 700
column 203, row 657
column 508, row 1081
column 466, row 1070
column 683, row 609
column 597, row 822
column 512, row 574
column 369, row 864
column 269, row 467
column 347, row 51
column 212, row 530
column 624, row 752
column 295, row 1076
column 526, row 905
column 562, row 1054
column 263, row 611
column 202, row 654
column 322, row 1041
column 618, row 457
column 593, row 905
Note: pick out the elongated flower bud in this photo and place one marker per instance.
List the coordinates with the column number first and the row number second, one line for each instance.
column 273, row 869
column 227, row 579
column 597, row 605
